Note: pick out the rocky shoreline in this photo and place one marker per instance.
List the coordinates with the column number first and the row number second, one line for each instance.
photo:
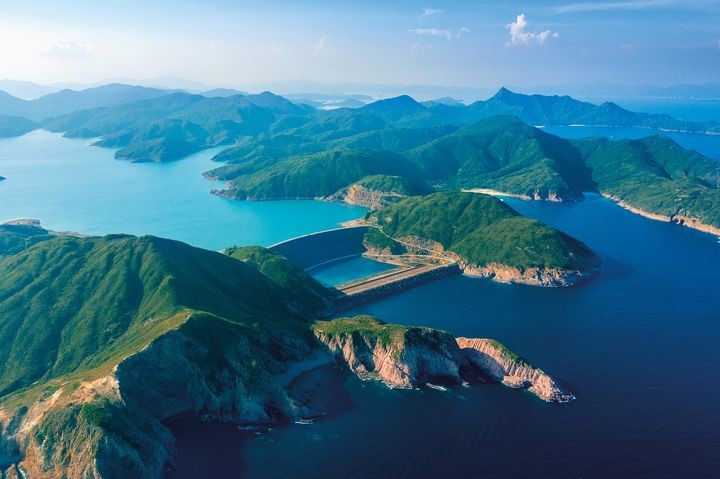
column 544, row 277
column 537, row 195
column 677, row 219
column 412, row 357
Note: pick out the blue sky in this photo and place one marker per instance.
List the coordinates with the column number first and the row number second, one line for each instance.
column 465, row 43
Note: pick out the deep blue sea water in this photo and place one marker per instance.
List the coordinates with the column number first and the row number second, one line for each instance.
column 639, row 348
column 71, row 186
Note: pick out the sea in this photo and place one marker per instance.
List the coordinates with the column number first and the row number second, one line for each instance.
column 638, row 346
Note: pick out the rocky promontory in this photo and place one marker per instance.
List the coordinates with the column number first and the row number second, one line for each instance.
column 503, row 365
column 484, row 236
column 409, row 357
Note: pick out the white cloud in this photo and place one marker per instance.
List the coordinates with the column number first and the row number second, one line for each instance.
column 437, row 32
column 520, row 36
column 320, row 47
column 63, row 49
column 429, row 12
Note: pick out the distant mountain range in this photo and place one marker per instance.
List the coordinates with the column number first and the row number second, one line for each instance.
column 281, row 149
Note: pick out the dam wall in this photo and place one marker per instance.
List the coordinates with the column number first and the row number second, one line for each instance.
column 392, row 285
column 309, row 251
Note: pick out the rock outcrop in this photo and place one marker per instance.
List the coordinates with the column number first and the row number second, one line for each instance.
column 399, row 357
column 114, row 424
column 359, row 195
column 540, row 276
column 503, row 365
column 409, row 357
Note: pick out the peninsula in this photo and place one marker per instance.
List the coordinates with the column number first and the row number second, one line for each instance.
column 485, row 236
column 142, row 329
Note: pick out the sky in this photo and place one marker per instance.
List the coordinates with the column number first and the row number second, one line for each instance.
column 462, row 43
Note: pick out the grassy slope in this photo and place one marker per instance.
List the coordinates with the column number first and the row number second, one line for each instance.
column 656, row 175
column 482, row 229
column 66, row 302
column 16, row 238
column 387, row 334
column 504, row 154
column 304, row 292
column 319, row 174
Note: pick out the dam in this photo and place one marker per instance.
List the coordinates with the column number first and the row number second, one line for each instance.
column 338, row 245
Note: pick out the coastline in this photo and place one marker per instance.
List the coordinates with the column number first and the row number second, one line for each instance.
column 679, row 220
column 551, row 197
column 676, row 219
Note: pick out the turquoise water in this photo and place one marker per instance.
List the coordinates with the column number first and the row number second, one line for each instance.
column 71, row 186
column 708, row 145
column 345, row 271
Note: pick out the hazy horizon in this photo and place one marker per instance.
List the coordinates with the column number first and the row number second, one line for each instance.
column 463, row 44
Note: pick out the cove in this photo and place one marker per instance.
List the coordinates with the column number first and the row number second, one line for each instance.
column 71, row 186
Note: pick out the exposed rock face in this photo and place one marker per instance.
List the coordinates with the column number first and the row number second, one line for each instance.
column 416, row 356
column 548, row 277
column 359, row 195
column 408, row 357
column 114, row 425
column 677, row 218
column 507, row 367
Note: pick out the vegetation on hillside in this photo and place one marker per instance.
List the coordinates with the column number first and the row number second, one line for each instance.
column 482, row 230
column 304, row 293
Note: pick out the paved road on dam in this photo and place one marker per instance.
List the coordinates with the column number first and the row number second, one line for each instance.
column 395, row 275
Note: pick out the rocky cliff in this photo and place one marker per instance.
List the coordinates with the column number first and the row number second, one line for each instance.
column 503, row 365
column 398, row 356
column 532, row 276
column 360, row 195
column 408, row 357
column 114, row 424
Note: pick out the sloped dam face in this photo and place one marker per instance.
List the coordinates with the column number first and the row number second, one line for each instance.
column 332, row 258
column 313, row 250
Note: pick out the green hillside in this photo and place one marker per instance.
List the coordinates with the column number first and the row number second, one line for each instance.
column 503, row 153
column 304, row 293
column 16, row 238
column 656, row 175
column 482, row 230
column 317, row 175
column 65, row 303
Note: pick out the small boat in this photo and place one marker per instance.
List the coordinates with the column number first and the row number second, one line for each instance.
column 435, row 386
column 304, row 421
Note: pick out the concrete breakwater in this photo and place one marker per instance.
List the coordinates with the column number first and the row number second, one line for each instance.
column 360, row 292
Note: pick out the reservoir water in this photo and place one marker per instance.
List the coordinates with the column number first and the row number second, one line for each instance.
column 343, row 272
column 71, row 186
column 638, row 346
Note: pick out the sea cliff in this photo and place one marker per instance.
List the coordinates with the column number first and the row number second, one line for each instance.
column 410, row 357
